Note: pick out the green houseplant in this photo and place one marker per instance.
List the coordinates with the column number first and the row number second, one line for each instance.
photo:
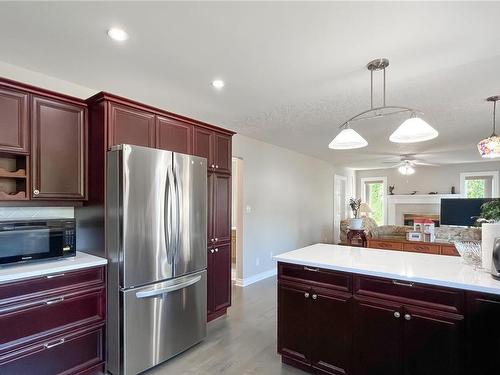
column 490, row 212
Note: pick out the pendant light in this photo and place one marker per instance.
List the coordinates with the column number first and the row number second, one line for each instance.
column 489, row 148
column 412, row 130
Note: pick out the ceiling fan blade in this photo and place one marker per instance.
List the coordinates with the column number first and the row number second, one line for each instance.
column 426, row 164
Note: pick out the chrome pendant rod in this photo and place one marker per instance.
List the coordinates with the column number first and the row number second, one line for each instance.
column 397, row 109
column 494, row 116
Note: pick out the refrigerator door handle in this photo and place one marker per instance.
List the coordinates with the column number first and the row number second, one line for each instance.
column 172, row 288
column 168, row 216
column 178, row 200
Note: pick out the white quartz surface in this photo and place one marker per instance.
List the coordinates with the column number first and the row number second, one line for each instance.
column 20, row 271
column 440, row 270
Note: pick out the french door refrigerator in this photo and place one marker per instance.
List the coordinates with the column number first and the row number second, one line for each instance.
column 156, row 230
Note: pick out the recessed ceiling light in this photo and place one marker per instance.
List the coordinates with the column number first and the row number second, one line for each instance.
column 117, row 34
column 218, row 83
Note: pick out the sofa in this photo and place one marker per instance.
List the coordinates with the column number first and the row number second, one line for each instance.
column 443, row 233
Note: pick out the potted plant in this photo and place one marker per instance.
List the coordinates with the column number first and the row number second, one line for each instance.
column 356, row 222
column 489, row 220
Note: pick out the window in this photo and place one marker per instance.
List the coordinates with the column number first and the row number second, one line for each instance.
column 373, row 193
column 479, row 184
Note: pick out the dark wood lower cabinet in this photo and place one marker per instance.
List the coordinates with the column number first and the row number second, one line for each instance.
column 219, row 280
column 329, row 327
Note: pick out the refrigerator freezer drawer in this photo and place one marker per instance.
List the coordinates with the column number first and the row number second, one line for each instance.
column 162, row 320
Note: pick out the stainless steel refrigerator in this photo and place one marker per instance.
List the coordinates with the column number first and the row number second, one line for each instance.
column 156, row 229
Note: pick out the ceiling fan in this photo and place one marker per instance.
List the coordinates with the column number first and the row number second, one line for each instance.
column 407, row 163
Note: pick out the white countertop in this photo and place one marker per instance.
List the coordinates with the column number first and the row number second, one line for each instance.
column 448, row 271
column 20, row 271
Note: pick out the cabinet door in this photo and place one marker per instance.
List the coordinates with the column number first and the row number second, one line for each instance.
column 203, row 144
column 221, row 206
column 432, row 342
column 59, row 149
column 222, row 153
column 483, row 333
column 173, row 135
column 13, row 121
column 210, row 280
column 293, row 321
column 377, row 340
column 210, row 208
column 131, row 126
column 331, row 331
column 222, row 276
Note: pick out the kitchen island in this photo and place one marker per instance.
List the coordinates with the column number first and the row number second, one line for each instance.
column 350, row 310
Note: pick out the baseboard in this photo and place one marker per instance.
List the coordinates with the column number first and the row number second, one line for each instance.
column 253, row 279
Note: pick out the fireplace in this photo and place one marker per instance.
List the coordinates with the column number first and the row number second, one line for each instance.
column 409, row 219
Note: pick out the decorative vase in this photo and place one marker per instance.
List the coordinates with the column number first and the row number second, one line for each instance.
column 356, row 224
column 489, row 231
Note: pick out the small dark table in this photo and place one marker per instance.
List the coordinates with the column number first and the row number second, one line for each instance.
column 357, row 237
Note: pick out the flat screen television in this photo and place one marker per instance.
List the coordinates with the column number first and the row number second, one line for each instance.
column 461, row 211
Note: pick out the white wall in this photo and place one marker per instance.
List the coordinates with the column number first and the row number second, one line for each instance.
column 290, row 198
column 427, row 179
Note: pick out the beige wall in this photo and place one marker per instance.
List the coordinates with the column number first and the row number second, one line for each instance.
column 288, row 202
column 427, row 179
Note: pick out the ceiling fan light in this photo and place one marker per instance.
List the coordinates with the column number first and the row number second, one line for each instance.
column 406, row 169
column 489, row 148
column 347, row 139
column 413, row 130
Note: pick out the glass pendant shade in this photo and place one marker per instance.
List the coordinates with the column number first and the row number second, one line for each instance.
column 406, row 169
column 489, row 148
column 413, row 130
column 347, row 139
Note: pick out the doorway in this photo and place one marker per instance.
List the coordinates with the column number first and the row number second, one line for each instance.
column 340, row 202
column 237, row 220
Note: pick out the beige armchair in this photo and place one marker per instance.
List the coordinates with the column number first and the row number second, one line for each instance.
column 368, row 225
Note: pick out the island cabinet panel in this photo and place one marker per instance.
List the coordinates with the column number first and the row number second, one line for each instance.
column 13, row 121
column 59, row 149
column 128, row 125
column 483, row 333
column 173, row 135
column 377, row 338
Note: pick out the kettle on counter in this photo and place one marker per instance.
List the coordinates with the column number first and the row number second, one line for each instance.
column 495, row 266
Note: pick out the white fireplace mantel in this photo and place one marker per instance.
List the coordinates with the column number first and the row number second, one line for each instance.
column 393, row 200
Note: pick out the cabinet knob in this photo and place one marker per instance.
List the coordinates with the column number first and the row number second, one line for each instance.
column 216, row 166
column 213, row 165
column 212, row 240
column 397, row 314
column 212, row 251
column 36, row 192
column 216, row 239
column 216, row 250
column 314, row 296
column 407, row 316
column 306, row 295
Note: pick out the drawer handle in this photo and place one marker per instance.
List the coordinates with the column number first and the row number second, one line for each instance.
column 395, row 282
column 54, row 276
column 54, row 301
column 311, row 269
column 57, row 343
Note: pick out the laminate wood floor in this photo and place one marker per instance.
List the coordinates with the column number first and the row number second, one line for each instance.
column 242, row 343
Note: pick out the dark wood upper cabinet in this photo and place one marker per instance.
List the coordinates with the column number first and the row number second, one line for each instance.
column 377, row 338
column 59, row 144
column 222, row 153
column 293, row 321
column 13, row 121
column 173, row 135
column 222, row 276
column 444, row 331
column 132, row 126
column 203, row 144
column 221, row 207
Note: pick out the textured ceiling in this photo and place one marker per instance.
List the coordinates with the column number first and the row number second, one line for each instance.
column 293, row 71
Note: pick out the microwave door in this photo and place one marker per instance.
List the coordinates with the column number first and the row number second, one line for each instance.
column 146, row 195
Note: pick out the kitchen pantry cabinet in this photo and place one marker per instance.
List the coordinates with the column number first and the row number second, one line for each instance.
column 215, row 147
column 59, row 149
column 219, row 279
column 43, row 144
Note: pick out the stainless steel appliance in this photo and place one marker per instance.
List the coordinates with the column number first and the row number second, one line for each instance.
column 156, row 245
column 30, row 240
column 495, row 266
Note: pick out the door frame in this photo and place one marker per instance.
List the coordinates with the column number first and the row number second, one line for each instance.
column 337, row 180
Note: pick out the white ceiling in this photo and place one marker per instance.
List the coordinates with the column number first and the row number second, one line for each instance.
column 293, row 71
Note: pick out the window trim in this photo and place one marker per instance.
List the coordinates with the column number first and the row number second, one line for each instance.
column 492, row 174
column 364, row 180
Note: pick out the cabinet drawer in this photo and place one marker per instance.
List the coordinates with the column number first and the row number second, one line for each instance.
column 421, row 248
column 449, row 250
column 388, row 245
column 37, row 319
column 315, row 276
column 19, row 291
column 72, row 353
column 445, row 299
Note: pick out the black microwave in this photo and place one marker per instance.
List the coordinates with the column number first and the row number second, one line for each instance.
column 30, row 240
